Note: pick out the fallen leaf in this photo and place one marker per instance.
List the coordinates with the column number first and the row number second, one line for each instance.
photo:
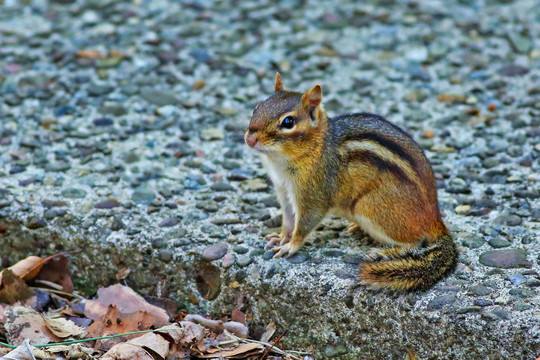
column 21, row 352
column 14, row 288
column 152, row 341
column 113, row 322
column 57, row 271
column 126, row 300
column 28, row 268
column 126, row 351
column 240, row 350
column 24, row 323
column 268, row 332
column 63, row 328
column 238, row 316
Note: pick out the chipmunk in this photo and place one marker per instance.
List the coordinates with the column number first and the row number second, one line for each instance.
column 358, row 166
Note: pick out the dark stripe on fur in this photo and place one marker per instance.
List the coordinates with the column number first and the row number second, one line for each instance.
column 393, row 146
column 363, row 155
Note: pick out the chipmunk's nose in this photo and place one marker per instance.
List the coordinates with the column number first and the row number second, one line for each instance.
column 251, row 139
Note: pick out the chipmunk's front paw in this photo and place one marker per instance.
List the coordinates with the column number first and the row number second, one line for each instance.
column 288, row 249
column 275, row 238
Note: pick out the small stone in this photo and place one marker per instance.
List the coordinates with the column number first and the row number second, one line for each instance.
column 508, row 258
column 438, row 302
column 498, row 243
column 222, row 186
column 216, row 251
column 483, row 302
column 74, row 193
column 452, row 99
column 228, row 261
column 159, row 98
column 507, row 220
column 298, row 258
column 255, row 185
column 165, row 255
column 170, row 222
column 103, row 122
column 462, row 209
column 52, row 203
column 427, row 134
column 517, row 279
column 212, row 134
column 228, row 221
column 415, row 95
column 523, row 293
column 167, row 110
column 513, row 70
column 480, row 290
column 243, row 260
column 36, row 223
column 268, row 255
column 473, row 241
column 142, row 196
column 107, row 204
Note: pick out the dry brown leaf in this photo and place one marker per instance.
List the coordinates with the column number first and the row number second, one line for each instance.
column 63, row 328
column 238, row 316
column 57, row 271
column 240, row 350
column 14, row 288
column 24, row 323
column 114, row 322
column 126, row 351
column 154, row 342
column 126, row 300
column 28, row 268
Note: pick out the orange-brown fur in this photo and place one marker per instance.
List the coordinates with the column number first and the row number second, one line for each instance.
column 360, row 167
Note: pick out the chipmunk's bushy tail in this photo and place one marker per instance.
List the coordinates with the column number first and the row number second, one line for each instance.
column 411, row 269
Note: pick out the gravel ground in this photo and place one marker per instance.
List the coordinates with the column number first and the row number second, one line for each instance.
column 121, row 132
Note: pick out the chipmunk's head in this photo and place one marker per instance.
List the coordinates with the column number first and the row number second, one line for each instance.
column 287, row 122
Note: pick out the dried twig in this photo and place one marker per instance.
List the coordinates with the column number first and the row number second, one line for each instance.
column 267, row 351
column 276, row 350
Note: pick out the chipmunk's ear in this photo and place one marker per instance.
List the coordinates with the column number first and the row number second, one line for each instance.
column 311, row 100
column 278, row 86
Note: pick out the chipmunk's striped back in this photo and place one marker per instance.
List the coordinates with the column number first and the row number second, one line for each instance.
column 395, row 202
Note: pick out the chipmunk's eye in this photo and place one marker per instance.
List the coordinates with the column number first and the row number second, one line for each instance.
column 288, row 122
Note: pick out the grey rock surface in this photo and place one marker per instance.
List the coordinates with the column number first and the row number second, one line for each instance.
column 121, row 134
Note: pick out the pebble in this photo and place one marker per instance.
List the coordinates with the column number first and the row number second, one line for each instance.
column 158, row 97
column 517, row 279
column 462, row 209
column 212, row 134
column 473, row 241
column 107, row 204
column 228, row 261
column 439, row 302
column 222, row 186
column 169, row 222
column 216, row 251
column 498, row 243
column 508, row 220
column 255, row 185
column 142, row 196
column 508, row 258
